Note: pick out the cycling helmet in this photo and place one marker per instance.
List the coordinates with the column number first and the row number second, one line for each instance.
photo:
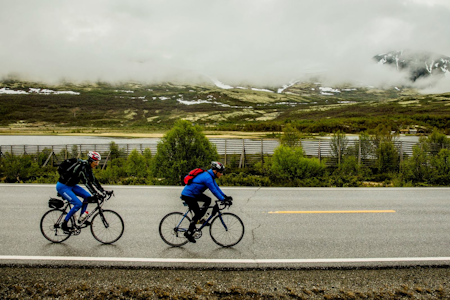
column 94, row 156
column 218, row 166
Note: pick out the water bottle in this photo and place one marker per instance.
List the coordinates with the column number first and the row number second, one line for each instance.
column 203, row 220
column 83, row 217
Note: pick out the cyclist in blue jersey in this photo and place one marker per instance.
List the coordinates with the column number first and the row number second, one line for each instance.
column 193, row 193
column 69, row 189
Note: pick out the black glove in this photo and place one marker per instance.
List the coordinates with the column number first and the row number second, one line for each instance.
column 109, row 193
column 228, row 201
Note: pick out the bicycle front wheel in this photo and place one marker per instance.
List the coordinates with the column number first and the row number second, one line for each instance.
column 172, row 228
column 226, row 230
column 107, row 226
column 51, row 226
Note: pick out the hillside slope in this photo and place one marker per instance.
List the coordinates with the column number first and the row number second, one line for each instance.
column 149, row 107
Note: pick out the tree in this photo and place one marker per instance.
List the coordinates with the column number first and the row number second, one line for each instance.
column 291, row 136
column 435, row 141
column 387, row 153
column 387, row 157
column 338, row 145
column 415, row 168
column 180, row 150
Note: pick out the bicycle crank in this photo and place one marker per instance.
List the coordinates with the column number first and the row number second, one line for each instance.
column 197, row 234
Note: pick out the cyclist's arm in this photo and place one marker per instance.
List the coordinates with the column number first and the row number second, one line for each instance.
column 214, row 188
column 90, row 182
column 97, row 184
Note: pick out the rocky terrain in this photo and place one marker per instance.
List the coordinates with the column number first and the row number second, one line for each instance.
column 20, row 282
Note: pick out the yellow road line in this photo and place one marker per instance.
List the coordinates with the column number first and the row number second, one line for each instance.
column 333, row 212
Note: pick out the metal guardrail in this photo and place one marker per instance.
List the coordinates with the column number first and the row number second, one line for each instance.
column 247, row 149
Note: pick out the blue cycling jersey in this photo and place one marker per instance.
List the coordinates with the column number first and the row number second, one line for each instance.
column 200, row 183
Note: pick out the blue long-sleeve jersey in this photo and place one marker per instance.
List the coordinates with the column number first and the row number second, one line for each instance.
column 200, row 183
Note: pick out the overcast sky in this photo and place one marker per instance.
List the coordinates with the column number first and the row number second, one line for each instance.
column 258, row 42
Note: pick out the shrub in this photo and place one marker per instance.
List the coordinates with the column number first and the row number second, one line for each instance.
column 291, row 163
column 18, row 168
column 244, row 179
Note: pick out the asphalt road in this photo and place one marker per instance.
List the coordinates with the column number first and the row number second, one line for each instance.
column 284, row 227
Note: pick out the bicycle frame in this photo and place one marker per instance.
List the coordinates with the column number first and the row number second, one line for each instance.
column 209, row 218
column 92, row 213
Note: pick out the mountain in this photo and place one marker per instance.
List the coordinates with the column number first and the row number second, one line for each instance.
column 417, row 64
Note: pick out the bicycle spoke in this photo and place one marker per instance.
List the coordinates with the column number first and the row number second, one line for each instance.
column 172, row 228
column 226, row 230
column 107, row 227
column 51, row 226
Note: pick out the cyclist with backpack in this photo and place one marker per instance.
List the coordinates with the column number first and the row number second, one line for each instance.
column 193, row 193
column 71, row 172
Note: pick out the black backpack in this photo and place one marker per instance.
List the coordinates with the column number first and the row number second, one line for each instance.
column 192, row 174
column 66, row 169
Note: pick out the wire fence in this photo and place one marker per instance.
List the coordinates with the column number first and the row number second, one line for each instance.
column 231, row 151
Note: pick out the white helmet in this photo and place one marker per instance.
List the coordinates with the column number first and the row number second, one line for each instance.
column 94, row 156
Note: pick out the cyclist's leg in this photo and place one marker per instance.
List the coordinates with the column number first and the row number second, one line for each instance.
column 66, row 192
column 204, row 208
column 193, row 205
column 79, row 191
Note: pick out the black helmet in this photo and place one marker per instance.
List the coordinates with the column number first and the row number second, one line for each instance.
column 218, row 166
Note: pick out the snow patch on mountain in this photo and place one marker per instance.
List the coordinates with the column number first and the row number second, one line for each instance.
column 221, row 85
column 417, row 64
column 286, row 86
column 36, row 91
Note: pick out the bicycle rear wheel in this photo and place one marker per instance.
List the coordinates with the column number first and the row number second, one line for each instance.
column 51, row 226
column 107, row 226
column 226, row 230
column 172, row 228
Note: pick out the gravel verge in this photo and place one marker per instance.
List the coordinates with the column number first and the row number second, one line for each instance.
column 22, row 282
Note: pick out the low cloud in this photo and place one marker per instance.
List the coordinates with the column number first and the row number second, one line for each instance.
column 255, row 42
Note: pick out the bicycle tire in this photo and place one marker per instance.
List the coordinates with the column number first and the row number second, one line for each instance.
column 107, row 226
column 231, row 234
column 51, row 226
column 172, row 231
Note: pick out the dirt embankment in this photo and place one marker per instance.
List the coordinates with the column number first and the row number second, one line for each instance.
column 108, row 283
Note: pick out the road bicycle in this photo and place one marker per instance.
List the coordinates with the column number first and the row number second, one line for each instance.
column 106, row 225
column 226, row 229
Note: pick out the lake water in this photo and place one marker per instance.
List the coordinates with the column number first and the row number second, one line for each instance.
column 68, row 140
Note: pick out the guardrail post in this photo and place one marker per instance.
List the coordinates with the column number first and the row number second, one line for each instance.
column 262, row 153
column 106, row 160
column 359, row 153
column 401, row 154
column 319, row 153
column 242, row 160
column 339, row 153
column 225, row 162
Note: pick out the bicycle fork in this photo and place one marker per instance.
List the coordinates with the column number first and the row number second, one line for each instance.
column 105, row 223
